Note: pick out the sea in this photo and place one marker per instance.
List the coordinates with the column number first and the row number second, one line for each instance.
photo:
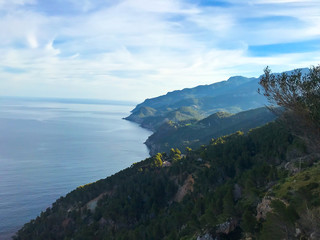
column 49, row 147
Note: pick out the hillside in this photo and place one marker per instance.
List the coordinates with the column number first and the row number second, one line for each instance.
column 234, row 95
column 260, row 185
column 223, row 190
column 193, row 134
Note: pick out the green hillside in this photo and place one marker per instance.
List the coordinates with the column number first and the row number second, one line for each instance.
column 194, row 134
column 149, row 117
column 234, row 95
column 259, row 185
column 215, row 190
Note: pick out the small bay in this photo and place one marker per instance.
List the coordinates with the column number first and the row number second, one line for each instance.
column 48, row 148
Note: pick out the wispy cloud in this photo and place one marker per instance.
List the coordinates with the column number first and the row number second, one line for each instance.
column 133, row 49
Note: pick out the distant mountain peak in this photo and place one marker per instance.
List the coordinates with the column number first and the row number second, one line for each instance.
column 234, row 95
column 240, row 79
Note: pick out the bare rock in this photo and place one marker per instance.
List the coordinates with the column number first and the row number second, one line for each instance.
column 207, row 236
column 264, row 207
column 227, row 227
column 184, row 189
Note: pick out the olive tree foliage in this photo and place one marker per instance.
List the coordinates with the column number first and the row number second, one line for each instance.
column 299, row 95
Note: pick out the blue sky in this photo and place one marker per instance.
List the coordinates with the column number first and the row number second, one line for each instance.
column 137, row 49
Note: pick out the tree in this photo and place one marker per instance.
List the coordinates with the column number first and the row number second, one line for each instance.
column 280, row 223
column 299, row 95
column 248, row 221
column 175, row 154
column 157, row 160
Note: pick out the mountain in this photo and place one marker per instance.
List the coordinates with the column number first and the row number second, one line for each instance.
column 181, row 135
column 150, row 118
column 261, row 185
column 234, row 95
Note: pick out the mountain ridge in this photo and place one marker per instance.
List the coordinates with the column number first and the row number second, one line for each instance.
column 234, row 95
column 194, row 134
column 260, row 185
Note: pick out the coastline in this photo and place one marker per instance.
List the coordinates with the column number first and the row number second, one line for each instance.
column 92, row 143
column 151, row 147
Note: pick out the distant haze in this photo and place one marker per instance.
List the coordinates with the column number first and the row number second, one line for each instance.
column 137, row 49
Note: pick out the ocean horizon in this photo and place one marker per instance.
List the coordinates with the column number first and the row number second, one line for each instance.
column 48, row 147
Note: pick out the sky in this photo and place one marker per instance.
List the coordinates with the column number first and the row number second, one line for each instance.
column 137, row 49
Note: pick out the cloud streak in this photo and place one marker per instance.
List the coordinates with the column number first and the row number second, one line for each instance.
column 134, row 49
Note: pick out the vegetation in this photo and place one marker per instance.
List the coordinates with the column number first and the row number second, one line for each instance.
column 224, row 182
column 151, row 119
column 259, row 185
column 299, row 95
column 295, row 92
column 235, row 95
column 194, row 134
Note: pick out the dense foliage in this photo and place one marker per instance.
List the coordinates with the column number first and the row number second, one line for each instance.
column 296, row 92
column 299, row 95
column 260, row 185
column 218, row 185
column 194, row 134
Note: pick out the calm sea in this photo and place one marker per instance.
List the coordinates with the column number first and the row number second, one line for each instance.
column 49, row 148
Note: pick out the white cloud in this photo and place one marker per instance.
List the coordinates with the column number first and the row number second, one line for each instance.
column 32, row 40
column 84, row 5
column 133, row 49
column 280, row 1
column 16, row 2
